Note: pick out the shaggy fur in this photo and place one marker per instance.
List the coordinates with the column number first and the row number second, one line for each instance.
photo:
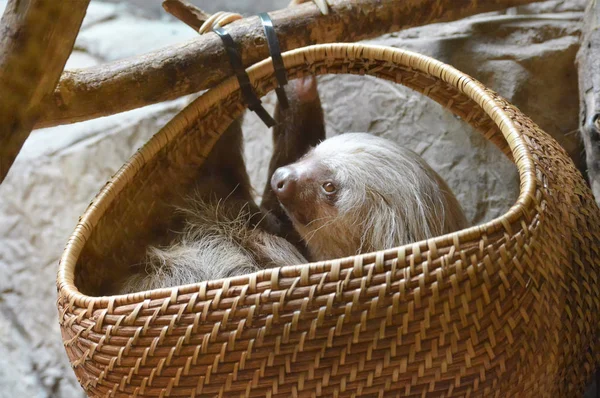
column 386, row 196
column 216, row 243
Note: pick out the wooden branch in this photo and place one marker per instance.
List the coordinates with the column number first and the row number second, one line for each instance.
column 588, row 65
column 36, row 38
column 201, row 63
column 186, row 12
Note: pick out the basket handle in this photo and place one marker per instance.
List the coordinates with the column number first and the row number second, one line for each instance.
column 250, row 97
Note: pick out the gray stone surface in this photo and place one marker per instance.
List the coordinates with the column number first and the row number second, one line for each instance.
column 526, row 54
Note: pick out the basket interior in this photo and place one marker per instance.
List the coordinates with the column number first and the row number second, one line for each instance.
column 135, row 209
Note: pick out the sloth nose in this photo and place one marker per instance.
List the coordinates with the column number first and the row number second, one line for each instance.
column 283, row 183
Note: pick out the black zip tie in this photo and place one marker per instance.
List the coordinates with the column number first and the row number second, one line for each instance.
column 253, row 102
column 275, row 51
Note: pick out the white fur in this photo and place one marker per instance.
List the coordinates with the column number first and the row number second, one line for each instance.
column 214, row 245
column 388, row 196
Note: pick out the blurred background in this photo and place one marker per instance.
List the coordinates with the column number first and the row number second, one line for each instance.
column 527, row 54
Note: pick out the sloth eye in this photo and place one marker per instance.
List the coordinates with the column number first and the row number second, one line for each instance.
column 328, row 187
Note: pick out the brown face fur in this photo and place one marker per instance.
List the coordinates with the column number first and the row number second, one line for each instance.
column 306, row 190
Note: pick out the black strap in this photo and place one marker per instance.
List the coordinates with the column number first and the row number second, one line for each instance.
column 275, row 51
column 253, row 102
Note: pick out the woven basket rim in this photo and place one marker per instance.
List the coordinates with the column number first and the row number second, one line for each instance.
column 261, row 70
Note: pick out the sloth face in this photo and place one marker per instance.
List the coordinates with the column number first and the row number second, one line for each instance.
column 333, row 180
column 327, row 193
column 308, row 191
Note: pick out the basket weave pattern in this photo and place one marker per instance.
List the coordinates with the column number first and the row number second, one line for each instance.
column 510, row 307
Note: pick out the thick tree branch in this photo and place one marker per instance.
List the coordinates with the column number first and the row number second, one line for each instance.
column 199, row 64
column 36, row 38
column 588, row 65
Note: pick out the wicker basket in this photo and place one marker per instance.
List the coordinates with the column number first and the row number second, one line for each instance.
column 510, row 307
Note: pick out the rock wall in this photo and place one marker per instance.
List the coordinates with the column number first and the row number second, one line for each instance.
column 526, row 54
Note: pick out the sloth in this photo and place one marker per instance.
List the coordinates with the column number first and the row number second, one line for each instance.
column 325, row 198
column 357, row 193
